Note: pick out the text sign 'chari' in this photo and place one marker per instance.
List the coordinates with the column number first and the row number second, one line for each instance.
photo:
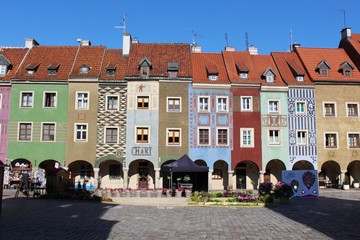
column 141, row 151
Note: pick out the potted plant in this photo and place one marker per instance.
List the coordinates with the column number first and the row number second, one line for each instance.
column 356, row 183
column 179, row 191
column 283, row 191
column 346, row 185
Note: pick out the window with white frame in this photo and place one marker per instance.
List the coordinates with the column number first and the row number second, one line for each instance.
column 329, row 109
column 246, row 104
column 213, row 77
column 80, row 132
column 27, row 99
column 330, row 140
column 174, row 104
column 143, row 102
column 300, row 107
column 274, row 137
column 273, row 106
column 3, row 69
column 352, row 109
column 204, row 104
column 142, row 135
column 353, row 140
column 82, row 100
column 222, row 136
column 204, row 136
column 247, row 137
column 173, row 137
column 48, row 132
column 301, row 137
column 243, row 75
column 25, row 131
column 111, row 135
column 270, row 78
column 222, row 104
column 112, row 102
column 50, row 99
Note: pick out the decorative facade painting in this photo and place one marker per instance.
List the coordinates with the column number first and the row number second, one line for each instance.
column 303, row 182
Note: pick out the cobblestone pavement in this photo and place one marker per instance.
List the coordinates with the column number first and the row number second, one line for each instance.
column 335, row 215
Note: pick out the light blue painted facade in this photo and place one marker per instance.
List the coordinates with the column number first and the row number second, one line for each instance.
column 274, row 121
column 301, row 110
column 212, row 120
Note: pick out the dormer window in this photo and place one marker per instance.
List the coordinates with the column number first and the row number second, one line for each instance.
column 4, row 65
column 269, row 75
column 110, row 70
column 323, row 68
column 243, row 75
column 212, row 72
column 296, row 69
column 347, row 69
column 31, row 69
column 173, row 69
column 299, row 78
column 145, row 67
column 242, row 70
column 53, row 69
column 84, row 69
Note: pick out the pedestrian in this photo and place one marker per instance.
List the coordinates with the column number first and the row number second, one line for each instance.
column 25, row 182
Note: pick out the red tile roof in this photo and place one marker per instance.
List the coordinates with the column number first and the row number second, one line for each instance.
column 289, row 66
column 45, row 57
column 91, row 56
column 334, row 57
column 14, row 56
column 160, row 55
column 204, row 64
column 262, row 63
column 114, row 59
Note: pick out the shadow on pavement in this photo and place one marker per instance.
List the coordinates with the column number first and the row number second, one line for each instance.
column 31, row 218
column 334, row 217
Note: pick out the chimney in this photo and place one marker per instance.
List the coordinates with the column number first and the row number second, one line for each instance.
column 126, row 44
column 30, row 43
column 345, row 33
column 85, row 43
column 252, row 50
column 295, row 45
column 135, row 41
column 229, row 49
column 196, row 48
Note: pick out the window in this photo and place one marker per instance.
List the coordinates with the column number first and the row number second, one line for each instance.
column 347, row 73
column 222, row 103
column 300, row 108
column 110, row 72
column 82, row 99
column 222, row 136
column 48, row 132
column 203, row 136
column 203, row 104
column 273, row 106
column 25, row 131
column 172, row 74
column 217, row 174
column 173, row 104
column 84, row 69
column 142, row 135
column 353, row 140
column 329, row 109
column 330, row 140
column 246, row 104
column 3, row 69
column 301, row 138
column 112, row 102
column 26, row 99
column 274, row 137
column 143, row 102
column 49, row 99
column 173, row 136
column 114, row 171
column 352, row 109
column 81, row 132
column 243, row 75
column 300, row 78
column 213, row 77
column 52, row 72
column 270, row 78
column 247, row 137
column 144, row 71
column 111, row 135
column 324, row 72
column 85, row 171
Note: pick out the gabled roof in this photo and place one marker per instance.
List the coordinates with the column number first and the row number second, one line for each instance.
column 4, row 60
column 14, row 56
column 263, row 64
column 114, row 59
column 44, row 57
column 352, row 47
column 290, row 66
column 334, row 57
column 205, row 64
column 346, row 65
column 160, row 55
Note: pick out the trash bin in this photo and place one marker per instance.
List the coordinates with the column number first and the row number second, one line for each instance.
column 1, row 183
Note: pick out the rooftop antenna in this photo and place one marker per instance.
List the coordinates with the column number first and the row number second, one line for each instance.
column 226, row 39
column 291, row 40
column 123, row 24
column 246, row 40
column 193, row 38
column 344, row 17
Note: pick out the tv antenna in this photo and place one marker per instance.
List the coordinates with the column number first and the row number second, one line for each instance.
column 226, row 39
column 193, row 37
column 343, row 10
column 291, row 40
column 123, row 24
column 246, row 40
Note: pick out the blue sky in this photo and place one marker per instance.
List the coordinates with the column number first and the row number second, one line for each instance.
column 314, row 23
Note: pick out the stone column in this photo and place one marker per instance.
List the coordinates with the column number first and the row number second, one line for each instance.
column 125, row 170
column 261, row 177
column 230, row 180
column 96, row 176
column 342, row 176
column 157, row 178
column 210, row 179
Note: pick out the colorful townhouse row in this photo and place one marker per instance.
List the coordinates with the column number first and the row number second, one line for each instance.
column 114, row 117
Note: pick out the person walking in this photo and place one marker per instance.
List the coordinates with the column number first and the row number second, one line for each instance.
column 25, row 183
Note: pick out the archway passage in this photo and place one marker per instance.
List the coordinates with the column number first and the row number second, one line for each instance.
column 111, row 174
column 330, row 172
column 56, row 177
column 220, row 176
column 353, row 170
column 273, row 172
column 82, row 174
column 303, row 165
column 247, row 175
column 141, row 174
